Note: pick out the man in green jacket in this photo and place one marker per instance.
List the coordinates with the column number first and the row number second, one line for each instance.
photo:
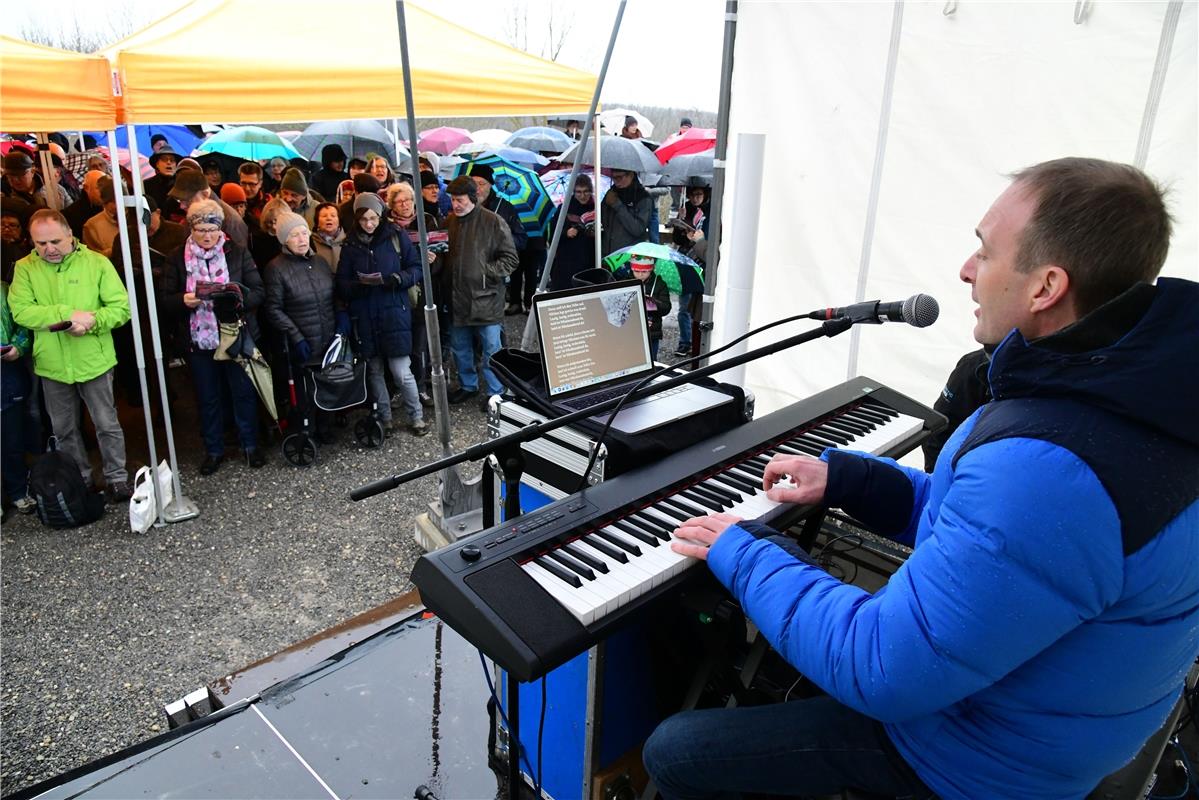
column 64, row 283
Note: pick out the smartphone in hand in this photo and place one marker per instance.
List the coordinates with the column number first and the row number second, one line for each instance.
column 58, row 327
column 4, row 349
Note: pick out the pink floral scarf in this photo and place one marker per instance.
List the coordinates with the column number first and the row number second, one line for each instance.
column 205, row 266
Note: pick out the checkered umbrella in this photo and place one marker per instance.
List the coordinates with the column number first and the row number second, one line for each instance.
column 522, row 188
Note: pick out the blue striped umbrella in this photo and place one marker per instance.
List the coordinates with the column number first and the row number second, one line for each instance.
column 521, row 187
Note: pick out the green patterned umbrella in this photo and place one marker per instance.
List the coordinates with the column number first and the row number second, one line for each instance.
column 519, row 186
column 680, row 272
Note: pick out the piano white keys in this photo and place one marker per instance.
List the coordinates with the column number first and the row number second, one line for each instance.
column 641, row 539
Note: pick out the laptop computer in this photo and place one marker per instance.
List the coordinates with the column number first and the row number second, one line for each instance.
column 595, row 346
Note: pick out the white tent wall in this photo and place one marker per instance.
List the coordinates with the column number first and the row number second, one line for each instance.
column 977, row 93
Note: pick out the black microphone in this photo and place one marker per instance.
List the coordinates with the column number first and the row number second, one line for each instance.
column 919, row 311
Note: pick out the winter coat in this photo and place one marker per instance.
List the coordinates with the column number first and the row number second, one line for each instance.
column 1042, row 628
column 14, row 375
column 325, row 180
column 576, row 253
column 655, row 288
column 382, row 315
column 330, row 252
column 169, row 236
column 299, row 299
column 242, row 269
column 481, row 256
column 965, row 392
column 502, row 208
column 79, row 212
column 43, row 294
column 625, row 221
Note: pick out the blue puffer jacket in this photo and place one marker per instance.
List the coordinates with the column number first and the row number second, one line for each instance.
column 382, row 314
column 1042, row 628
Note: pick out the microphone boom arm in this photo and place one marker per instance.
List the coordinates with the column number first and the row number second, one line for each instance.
column 827, row 329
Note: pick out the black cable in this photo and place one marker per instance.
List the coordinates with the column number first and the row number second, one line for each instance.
column 540, row 731
column 599, row 440
column 512, row 741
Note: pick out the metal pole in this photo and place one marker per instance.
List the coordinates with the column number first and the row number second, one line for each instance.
column 599, row 201
column 718, row 164
column 180, row 508
column 135, row 321
column 527, row 340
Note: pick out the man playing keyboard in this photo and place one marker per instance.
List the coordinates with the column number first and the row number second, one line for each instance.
column 1041, row 630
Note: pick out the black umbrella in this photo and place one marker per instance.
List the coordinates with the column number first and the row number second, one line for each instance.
column 616, row 152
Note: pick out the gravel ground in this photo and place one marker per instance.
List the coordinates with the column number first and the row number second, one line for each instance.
column 102, row 627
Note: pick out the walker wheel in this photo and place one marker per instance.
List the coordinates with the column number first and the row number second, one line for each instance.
column 369, row 432
column 299, row 450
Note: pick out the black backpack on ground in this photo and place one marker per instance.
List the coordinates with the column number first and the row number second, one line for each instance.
column 63, row 500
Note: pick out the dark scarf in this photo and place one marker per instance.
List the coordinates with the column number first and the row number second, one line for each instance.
column 631, row 194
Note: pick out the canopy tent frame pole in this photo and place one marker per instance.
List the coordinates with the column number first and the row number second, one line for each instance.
column 53, row 200
column 395, row 138
column 529, row 337
column 718, row 177
column 135, row 320
column 180, row 508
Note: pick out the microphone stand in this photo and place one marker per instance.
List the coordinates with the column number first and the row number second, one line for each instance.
column 507, row 448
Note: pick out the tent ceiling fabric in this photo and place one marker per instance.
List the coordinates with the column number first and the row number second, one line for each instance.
column 977, row 95
column 79, row 97
column 192, row 66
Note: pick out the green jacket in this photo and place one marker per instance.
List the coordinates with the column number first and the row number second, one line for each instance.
column 43, row 294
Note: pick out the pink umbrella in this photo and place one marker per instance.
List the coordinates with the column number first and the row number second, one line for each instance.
column 143, row 163
column 692, row 140
column 442, row 141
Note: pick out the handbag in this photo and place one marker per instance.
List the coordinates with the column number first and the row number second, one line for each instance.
column 142, row 510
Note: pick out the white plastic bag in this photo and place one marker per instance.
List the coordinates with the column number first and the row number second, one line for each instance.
column 142, row 511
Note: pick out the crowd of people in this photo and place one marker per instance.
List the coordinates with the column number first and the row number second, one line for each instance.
column 294, row 257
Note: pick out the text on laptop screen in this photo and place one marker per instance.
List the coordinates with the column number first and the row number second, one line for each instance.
column 591, row 338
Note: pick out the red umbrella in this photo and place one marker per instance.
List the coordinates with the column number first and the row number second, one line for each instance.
column 443, row 140
column 7, row 145
column 692, row 140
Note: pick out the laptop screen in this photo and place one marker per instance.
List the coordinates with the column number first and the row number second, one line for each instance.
column 592, row 336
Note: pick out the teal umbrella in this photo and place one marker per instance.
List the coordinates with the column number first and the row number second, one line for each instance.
column 680, row 273
column 250, row 143
column 521, row 187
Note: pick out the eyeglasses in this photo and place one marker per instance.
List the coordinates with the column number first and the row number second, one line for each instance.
column 250, row 184
column 205, row 231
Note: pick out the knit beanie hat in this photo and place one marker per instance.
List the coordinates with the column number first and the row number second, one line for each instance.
column 287, row 222
column 367, row 201
column 482, row 171
column 187, row 184
column 233, row 194
column 293, row 181
column 188, row 163
column 428, row 179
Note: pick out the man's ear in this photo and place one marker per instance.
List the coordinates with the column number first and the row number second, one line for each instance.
column 1052, row 291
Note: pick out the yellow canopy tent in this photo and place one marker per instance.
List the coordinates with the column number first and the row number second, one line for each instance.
column 279, row 61
column 46, row 89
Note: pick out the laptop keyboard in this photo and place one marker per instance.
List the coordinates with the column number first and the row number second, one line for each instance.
column 579, row 403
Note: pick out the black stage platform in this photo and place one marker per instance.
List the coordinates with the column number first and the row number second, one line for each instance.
column 404, row 708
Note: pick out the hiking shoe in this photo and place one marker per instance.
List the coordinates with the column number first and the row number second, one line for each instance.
column 426, row 399
column 117, row 491
column 25, row 505
column 255, row 458
column 211, row 464
column 419, row 427
column 512, row 309
column 397, row 400
column 462, row 395
column 682, row 352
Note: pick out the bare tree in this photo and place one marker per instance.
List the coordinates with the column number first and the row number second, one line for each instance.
column 558, row 29
column 70, row 34
column 516, row 27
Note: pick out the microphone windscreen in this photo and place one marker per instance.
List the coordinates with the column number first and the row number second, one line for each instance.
column 920, row 310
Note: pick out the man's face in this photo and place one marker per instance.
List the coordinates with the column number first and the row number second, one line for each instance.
column 380, row 171
column 21, row 180
column 165, row 165
column 482, row 188
column 203, row 194
column 461, row 204
column 327, row 221
column 293, row 199
column 583, row 194
column 337, row 166
column 250, row 184
column 1002, row 292
column 10, row 229
column 213, row 176
column 696, row 196
column 622, row 179
column 430, row 193
column 52, row 241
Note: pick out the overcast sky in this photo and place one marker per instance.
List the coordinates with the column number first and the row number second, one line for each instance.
column 667, row 52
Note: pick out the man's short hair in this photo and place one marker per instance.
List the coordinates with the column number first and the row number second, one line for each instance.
column 250, row 168
column 46, row 214
column 464, row 185
column 356, row 163
column 1105, row 223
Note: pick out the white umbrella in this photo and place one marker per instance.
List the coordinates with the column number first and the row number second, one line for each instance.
column 491, row 136
column 613, row 120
